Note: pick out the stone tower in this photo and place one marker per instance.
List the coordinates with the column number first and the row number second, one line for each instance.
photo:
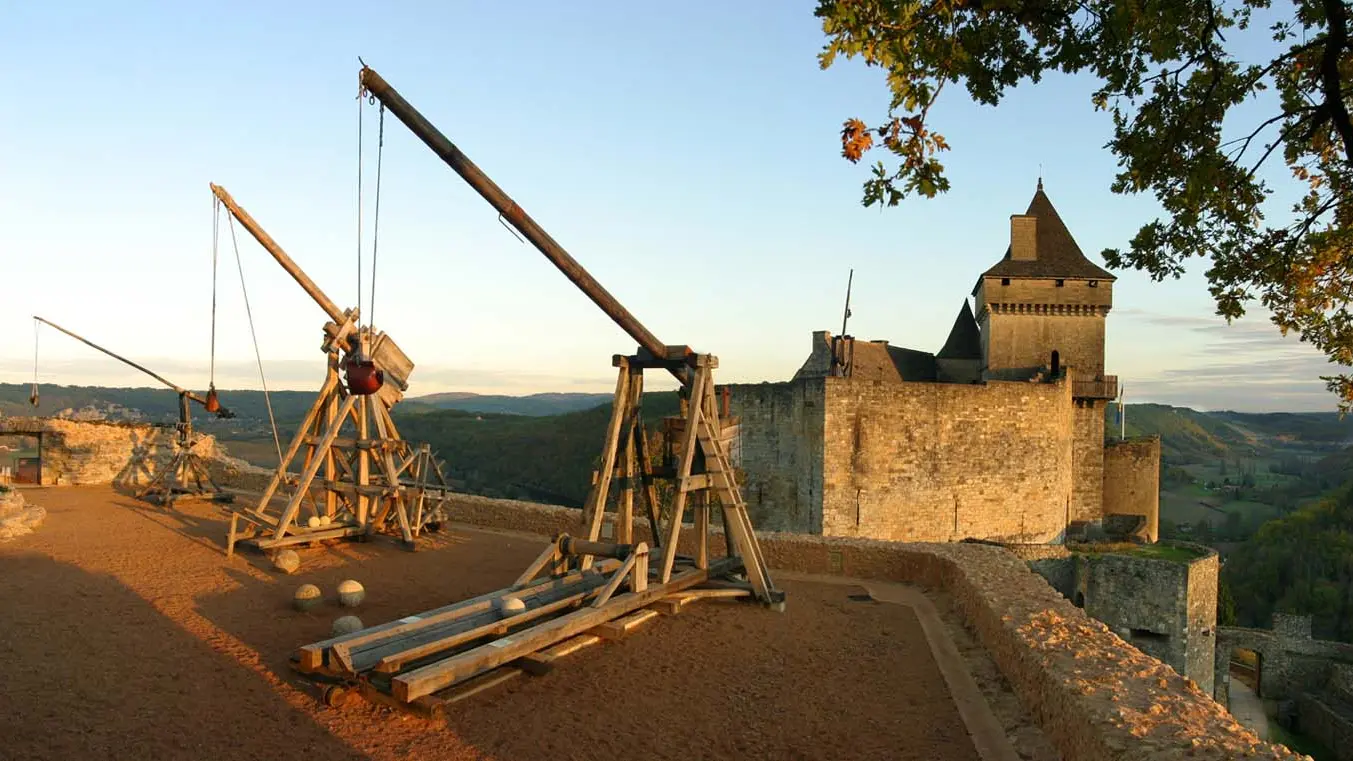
column 1041, row 309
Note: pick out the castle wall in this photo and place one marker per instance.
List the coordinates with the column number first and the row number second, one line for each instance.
column 1087, row 493
column 780, row 453
column 1132, row 481
column 942, row 462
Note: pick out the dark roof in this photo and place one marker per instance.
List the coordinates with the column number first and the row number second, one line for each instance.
column 1057, row 256
column 879, row 361
column 965, row 340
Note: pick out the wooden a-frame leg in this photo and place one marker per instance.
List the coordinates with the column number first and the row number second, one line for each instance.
column 595, row 507
column 303, row 487
column 689, row 438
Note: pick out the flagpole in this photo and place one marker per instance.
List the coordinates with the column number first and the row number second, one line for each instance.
column 1122, row 415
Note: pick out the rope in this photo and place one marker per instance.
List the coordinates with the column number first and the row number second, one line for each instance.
column 215, row 241
column 376, row 220
column 359, row 210
column 267, row 399
column 36, row 326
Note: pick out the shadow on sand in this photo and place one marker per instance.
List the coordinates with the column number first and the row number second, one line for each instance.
column 95, row 671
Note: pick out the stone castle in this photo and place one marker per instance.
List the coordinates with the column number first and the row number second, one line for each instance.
column 997, row 436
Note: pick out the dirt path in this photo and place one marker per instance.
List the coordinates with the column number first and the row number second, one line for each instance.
column 1247, row 707
column 127, row 634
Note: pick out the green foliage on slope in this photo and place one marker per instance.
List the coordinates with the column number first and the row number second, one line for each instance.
column 547, row 458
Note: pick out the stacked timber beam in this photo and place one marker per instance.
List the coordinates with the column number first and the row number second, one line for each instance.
column 425, row 661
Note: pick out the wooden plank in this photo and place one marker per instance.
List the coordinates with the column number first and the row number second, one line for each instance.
column 434, row 677
column 688, row 443
column 535, row 664
column 411, row 625
column 306, row 535
column 311, row 656
column 615, row 581
column 571, row 646
column 549, row 554
column 692, row 595
column 392, row 663
column 280, row 475
column 473, row 687
column 595, row 506
column 312, row 469
column 617, row 629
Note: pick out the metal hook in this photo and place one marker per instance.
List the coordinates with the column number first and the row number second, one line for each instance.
column 509, row 229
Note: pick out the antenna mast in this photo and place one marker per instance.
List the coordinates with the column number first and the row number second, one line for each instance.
column 849, row 281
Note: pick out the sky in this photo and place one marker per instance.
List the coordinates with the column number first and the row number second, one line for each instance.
column 689, row 159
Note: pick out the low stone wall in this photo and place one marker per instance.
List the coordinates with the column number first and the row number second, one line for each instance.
column 95, row 452
column 1029, row 552
column 1321, row 721
column 123, row 454
column 1097, row 697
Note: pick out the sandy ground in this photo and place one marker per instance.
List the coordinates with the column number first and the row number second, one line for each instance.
column 125, row 633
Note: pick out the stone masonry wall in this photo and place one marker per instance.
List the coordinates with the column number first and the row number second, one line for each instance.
column 780, row 452
column 86, row 452
column 1087, row 492
column 944, row 462
column 1201, row 634
column 1096, row 697
column 1028, row 340
column 1165, row 608
column 122, row 454
column 1132, row 481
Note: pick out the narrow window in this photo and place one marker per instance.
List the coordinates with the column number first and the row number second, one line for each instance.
column 1094, row 283
column 1060, row 283
column 1005, row 281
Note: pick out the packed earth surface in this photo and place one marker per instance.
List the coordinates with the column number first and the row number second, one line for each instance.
column 127, row 633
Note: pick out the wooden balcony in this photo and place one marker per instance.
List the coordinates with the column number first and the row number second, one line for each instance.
column 1103, row 387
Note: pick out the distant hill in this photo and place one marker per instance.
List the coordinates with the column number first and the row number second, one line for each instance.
column 1189, row 436
column 533, row 404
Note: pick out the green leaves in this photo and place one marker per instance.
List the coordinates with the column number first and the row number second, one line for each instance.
column 1169, row 80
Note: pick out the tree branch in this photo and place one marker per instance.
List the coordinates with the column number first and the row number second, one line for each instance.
column 1335, row 43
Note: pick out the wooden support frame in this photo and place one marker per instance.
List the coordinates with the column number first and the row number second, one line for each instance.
column 357, row 475
column 578, row 590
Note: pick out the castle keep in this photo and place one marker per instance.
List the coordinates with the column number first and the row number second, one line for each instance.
column 999, row 435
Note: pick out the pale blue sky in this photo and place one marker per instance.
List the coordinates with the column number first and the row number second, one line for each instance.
column 688, row 158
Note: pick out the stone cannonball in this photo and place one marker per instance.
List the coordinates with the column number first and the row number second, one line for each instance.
column 307, row 597
column 286, row 561
column 347, row 625
column 351, row 593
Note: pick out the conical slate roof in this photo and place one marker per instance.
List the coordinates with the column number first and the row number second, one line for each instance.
column 1057, row 255
column 965, row 340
